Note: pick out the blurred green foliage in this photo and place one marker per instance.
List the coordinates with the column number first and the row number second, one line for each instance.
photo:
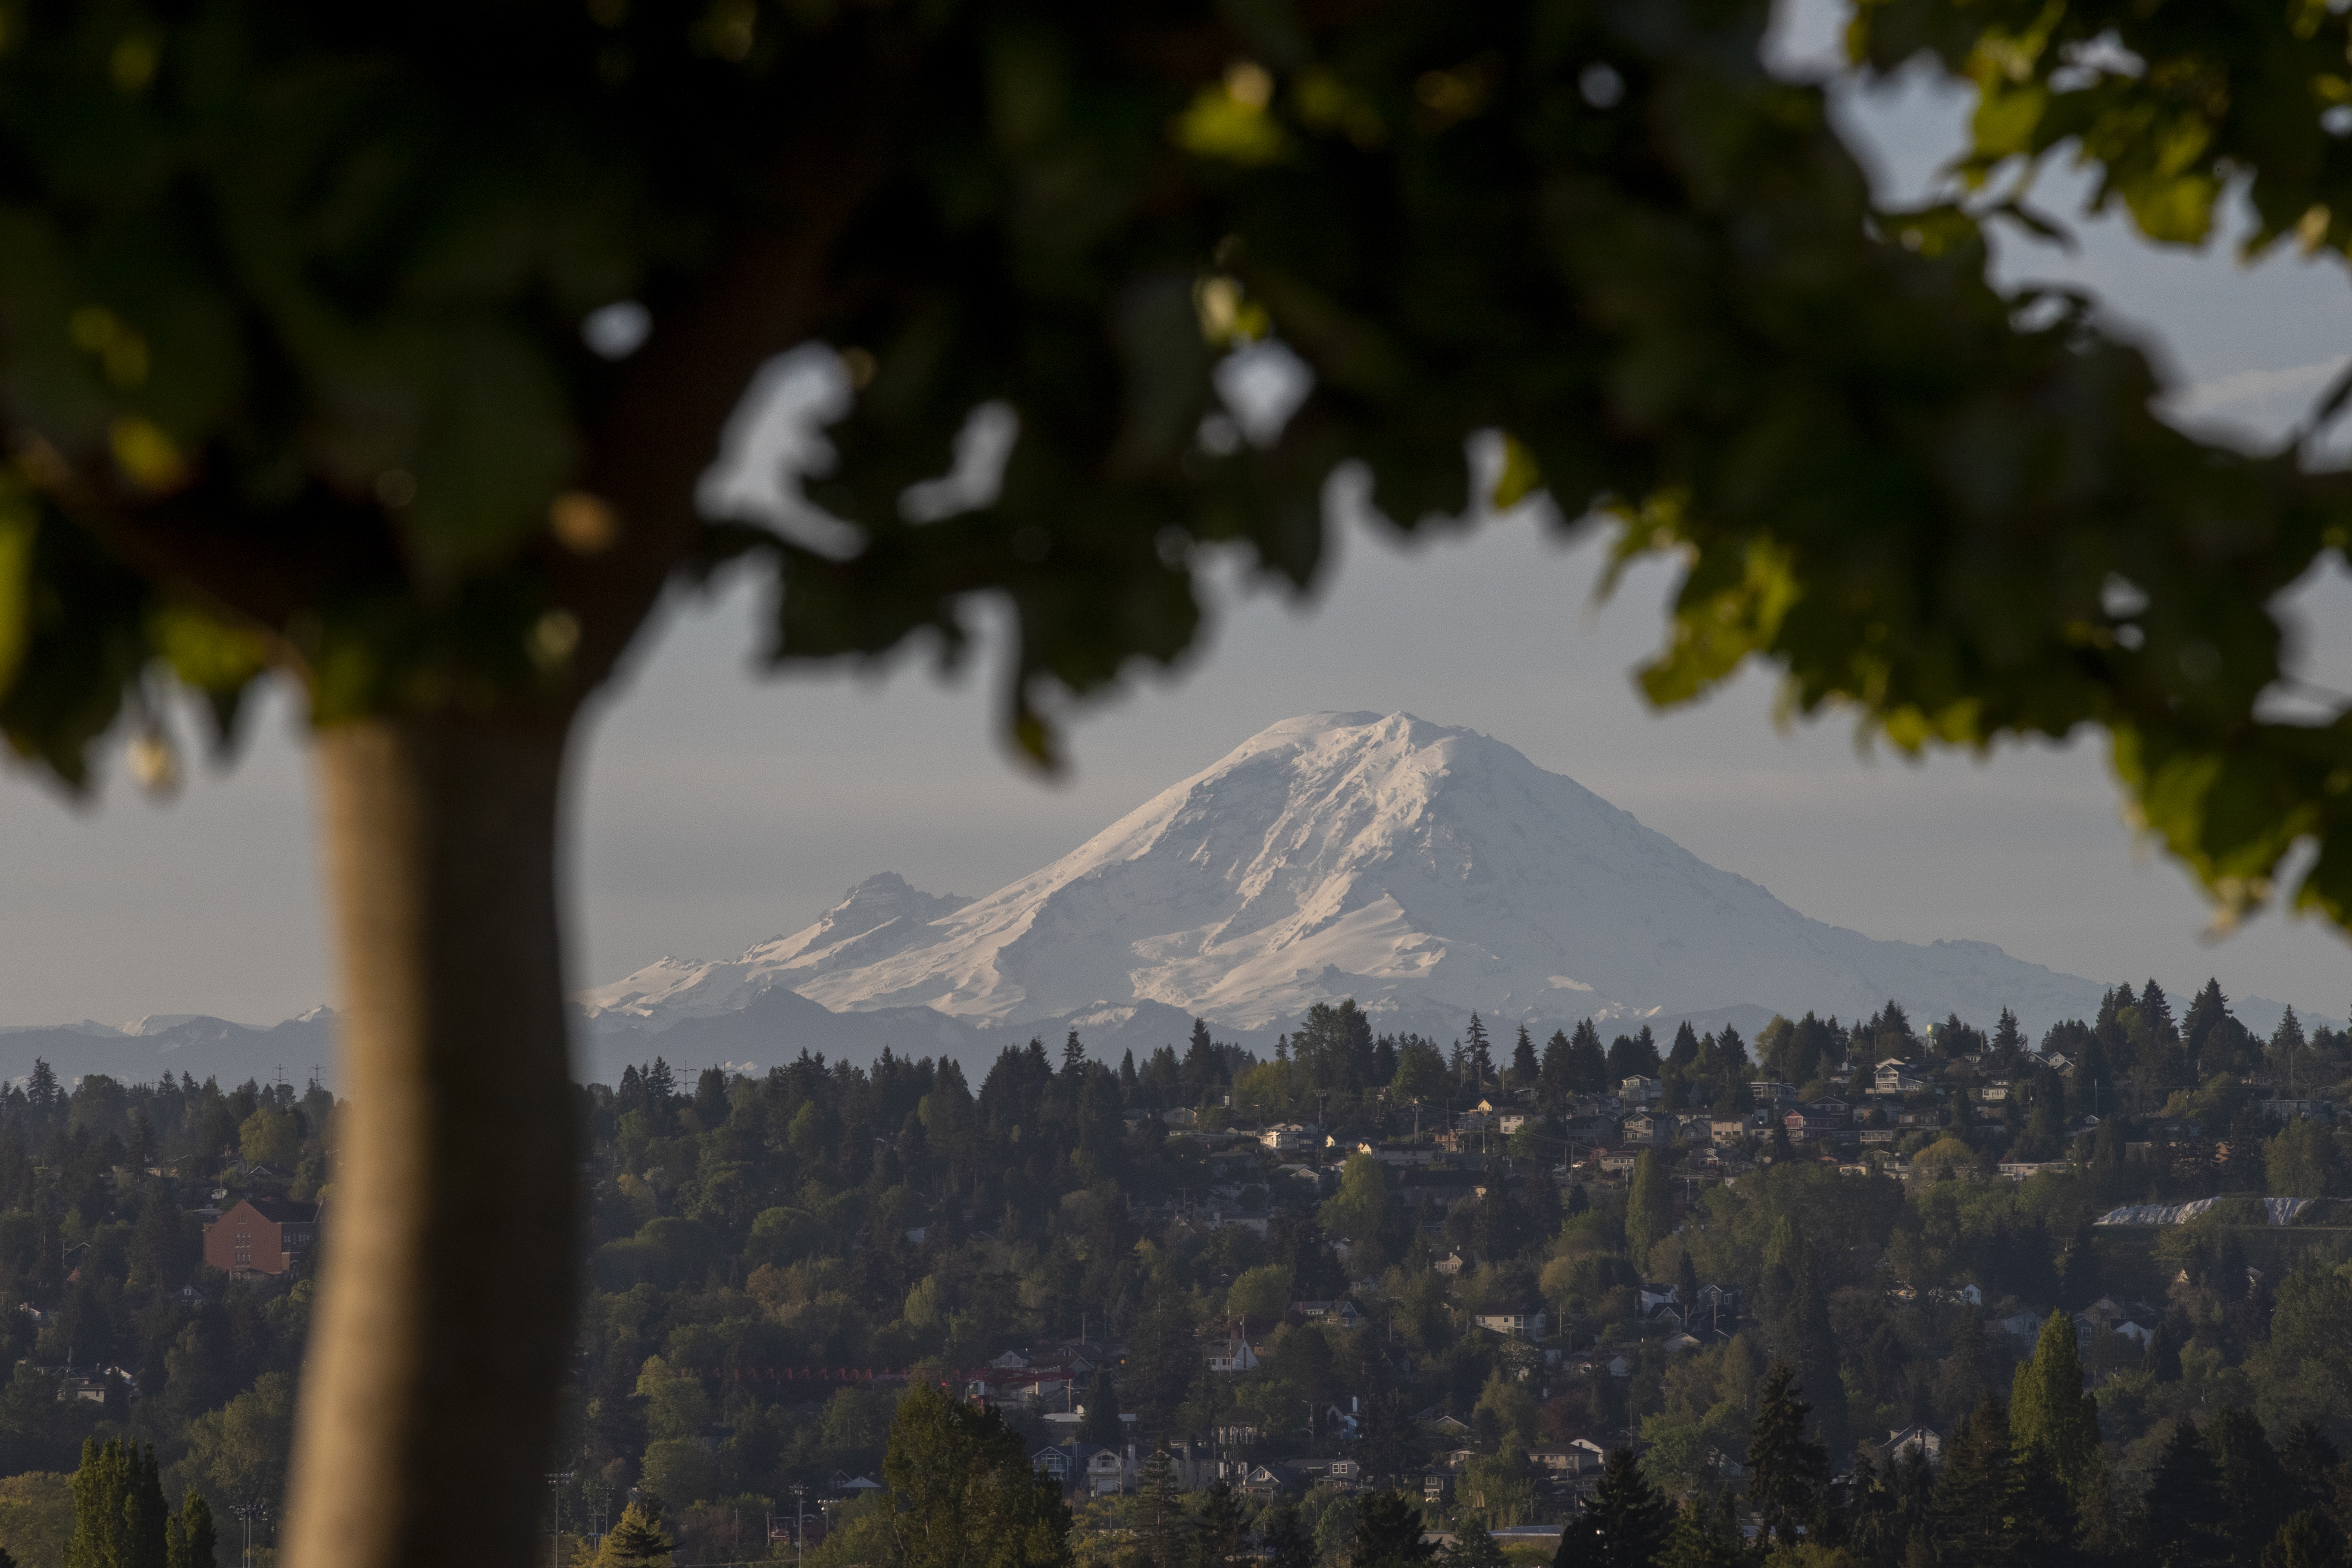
column 292, row 368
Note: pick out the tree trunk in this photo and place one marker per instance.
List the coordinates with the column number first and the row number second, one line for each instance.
column 444, row 1319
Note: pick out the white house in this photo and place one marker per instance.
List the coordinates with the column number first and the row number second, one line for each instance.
column 1926, row 1439
column 1516, row 1325
column 1894, row 1075
column 1232, row 1355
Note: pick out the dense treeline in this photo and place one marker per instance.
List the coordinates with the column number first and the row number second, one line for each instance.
column 775, row 1259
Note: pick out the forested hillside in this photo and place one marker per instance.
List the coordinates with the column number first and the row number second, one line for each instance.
column 1247, row 1299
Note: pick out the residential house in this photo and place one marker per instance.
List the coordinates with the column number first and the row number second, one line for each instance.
column 1926, row 1439
column 1655, row 1131
column 1286, row 1138
column 1638, row 1091
column 1725, row 1131
column 2018, row 1170
column 2289, row 1110
column 1895, row 1076
column 1588, row 1129
column 1343, row 1313
column 2136, row 1323
column 1085, row 1467
column 1266, row 1481
column 1516, row 1325
column 1810, row 1126
column 1450, row 1265
column 1771, row 1092
column 1232, row 1355
column 262, row 1235
column 1578, row 1456
column 87, row 1387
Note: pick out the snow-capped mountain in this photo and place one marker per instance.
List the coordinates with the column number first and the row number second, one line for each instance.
column 1420, row 869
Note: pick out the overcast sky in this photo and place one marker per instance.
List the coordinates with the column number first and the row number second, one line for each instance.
column 713, row 809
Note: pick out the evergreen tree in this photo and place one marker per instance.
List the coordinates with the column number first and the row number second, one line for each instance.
column 2051, row 1420
column 1473, row 1547
column 1524, row 1071
column 118, row 1517
column 2185, row 1514
column 1786, row 1469
column 1203, row 1071
column 1645, row 1052
column 2161, row 1359
column 1555, row 1080
column 1649, row 1207
column 1102, row 1427
column 1388, row 1534
column 2008, row 1041
column 1808, row 1340
column 2256, row 1496
column 144, row 1512
column 1477, row 1060
column 1685, row 1285
column 1160, row 1512
column 2082, row 1281
column 1218, row 1534
column 2309, row 1457
column 638, row 1541
column 1701, row 1539
column 1587, row 1061
column 1286, row 1542
column 1684, row 1052
column 1975, row 1493
column 196, row 1527
column 1731, row 1053
column 1624, row 1524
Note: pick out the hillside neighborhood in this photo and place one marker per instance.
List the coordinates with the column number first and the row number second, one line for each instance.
column 1485, row 1276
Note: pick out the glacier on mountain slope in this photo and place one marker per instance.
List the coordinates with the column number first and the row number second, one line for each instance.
column 1420, row 869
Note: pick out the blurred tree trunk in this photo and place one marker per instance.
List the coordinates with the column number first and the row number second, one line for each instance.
column 429, row 1403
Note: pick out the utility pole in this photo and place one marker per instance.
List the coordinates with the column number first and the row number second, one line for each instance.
column 247, row 1512
column 556, row 1480
column 800, row 1524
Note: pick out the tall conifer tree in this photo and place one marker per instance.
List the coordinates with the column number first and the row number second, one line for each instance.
column 1786, row 1469
column 1524, row 1068
column 1625, row 1524
column 2050, row 1417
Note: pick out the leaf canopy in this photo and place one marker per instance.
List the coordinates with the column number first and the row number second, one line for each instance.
column 293, row 371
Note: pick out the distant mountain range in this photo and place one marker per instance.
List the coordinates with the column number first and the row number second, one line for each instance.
column 146, row 1048
column 1422, row 871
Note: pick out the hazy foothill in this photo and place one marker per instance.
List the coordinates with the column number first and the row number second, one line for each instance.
column 413, row 358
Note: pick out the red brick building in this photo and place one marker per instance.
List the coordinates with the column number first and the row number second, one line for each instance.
column 263, row 1235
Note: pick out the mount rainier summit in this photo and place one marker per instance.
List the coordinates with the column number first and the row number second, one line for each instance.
column 1424, row 870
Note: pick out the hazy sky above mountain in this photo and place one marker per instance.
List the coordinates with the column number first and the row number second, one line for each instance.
column 716, row 808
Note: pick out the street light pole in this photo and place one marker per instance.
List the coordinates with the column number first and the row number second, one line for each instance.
column 555, row 1483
